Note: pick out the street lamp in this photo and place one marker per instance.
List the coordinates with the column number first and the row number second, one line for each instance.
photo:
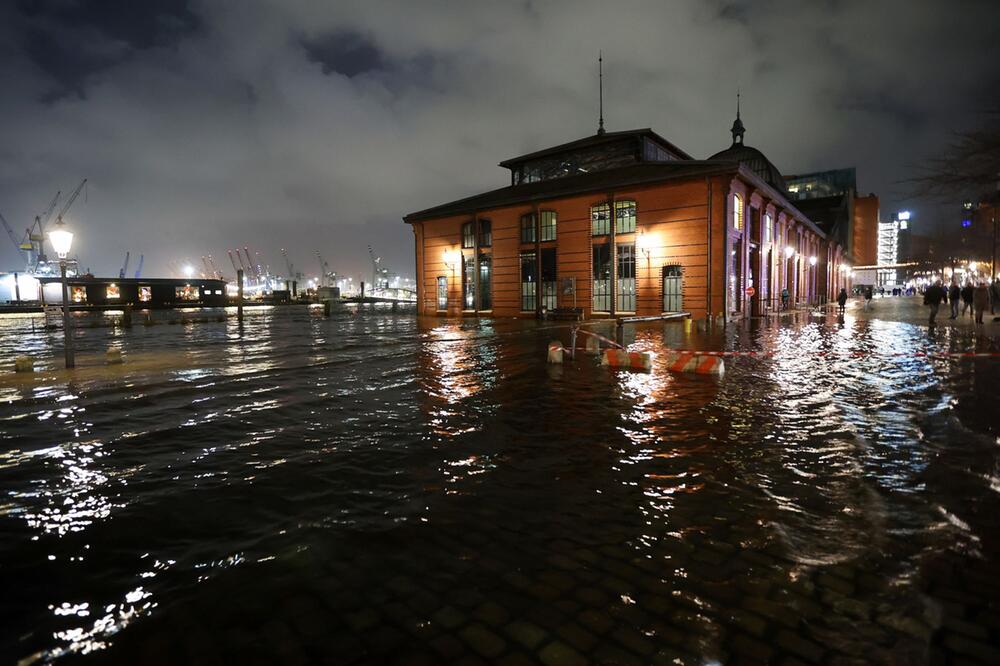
column 62, row 239
column 789, row 251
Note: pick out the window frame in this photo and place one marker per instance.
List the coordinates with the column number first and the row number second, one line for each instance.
column 548, row 220
column 528, row 228
column 625, row 205
column 485, row 231
column 739, row 213
column 468, row 236
column 594, row 209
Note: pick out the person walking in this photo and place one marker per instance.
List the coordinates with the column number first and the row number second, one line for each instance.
column 933, row 296
column 967, row 298
column 954, row 298
column 868, row 298
column 994, row 295
column 784, row 298
column 980, row 300
column 842, row 300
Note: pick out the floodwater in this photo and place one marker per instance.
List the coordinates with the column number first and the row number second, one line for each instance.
column 379, row 488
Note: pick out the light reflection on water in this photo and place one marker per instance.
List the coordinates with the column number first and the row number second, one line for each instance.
column 397, row 461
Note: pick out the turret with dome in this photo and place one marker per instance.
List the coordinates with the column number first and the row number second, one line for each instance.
column 750, row 156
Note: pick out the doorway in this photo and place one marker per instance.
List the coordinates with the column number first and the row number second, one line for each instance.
column 673, row 295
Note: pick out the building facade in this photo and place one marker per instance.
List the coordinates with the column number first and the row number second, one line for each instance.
column 622, row 224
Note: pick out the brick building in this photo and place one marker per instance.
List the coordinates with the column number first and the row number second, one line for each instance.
column 625, row 223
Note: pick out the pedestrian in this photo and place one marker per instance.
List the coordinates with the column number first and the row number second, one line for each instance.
column 869, row 292
column 784, row 298
column 994, row 295
column 933, row 296
column 954, row 298
column 967, row 298
column 842, row 300
column 980, row 300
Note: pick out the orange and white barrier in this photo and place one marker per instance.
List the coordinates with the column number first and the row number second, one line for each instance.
column 699, row 364
column 555, row 352
column 620, row 358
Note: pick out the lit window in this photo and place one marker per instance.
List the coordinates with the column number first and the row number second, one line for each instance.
column 113, row 292
column 625, row 217
column 600, row 220
column 145, row 294
column 186, row 293
column 468, row 237
column 768, row 229
column 737, row 212
column 548, row 226
column 78, row 294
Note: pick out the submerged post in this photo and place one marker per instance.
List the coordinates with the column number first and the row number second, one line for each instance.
column 239, row 294
column 67, row 326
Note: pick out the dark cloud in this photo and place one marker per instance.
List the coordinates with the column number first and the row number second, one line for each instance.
column 307, row 125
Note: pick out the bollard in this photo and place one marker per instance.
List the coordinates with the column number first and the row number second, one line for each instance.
column 114, row 356
column 555, row 352
column 699, row 364
column 24, row 364
column 327, row 306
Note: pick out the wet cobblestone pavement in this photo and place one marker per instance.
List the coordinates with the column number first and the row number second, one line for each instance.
column 378, row 489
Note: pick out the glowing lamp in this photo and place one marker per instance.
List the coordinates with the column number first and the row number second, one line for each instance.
column 903, row 215
column 451, row 258
column 812, row 261
column 61, row 239
column 188, row 271
column 789, row 251
column 645, row 244
column 972, row 266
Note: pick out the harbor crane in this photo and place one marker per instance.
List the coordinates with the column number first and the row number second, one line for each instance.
column 138, row 270
column 208, row 271
column 72, row 198
column 288, row 264
column 13, row 238
column 215, row 271
column 324, row 268
column 232, row 261
column 121, row 273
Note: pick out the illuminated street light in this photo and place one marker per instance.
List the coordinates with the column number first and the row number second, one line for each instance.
column 62, row 240
column 188, row 270
column 812, row 261
column 789, row 251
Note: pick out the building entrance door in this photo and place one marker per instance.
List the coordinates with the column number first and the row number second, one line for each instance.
column 751, row 282
column 673, row 297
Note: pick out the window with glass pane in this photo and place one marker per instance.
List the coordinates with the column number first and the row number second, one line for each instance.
column 485, row 275
column 550, row 284
column 737, row 212
column 624, row 217
column 602, row 278
column 528, row 228
column 442, row 292
column 768, row 229
column 469, row 283
column 548, row 226
column 600, row 220
column 626, row 278
column 468, row 237
column 485, row 233
column 529, row 282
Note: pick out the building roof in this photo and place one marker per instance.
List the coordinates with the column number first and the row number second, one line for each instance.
column 831, row 214
column 758, row 163
column 595, row 140
column 597, row 181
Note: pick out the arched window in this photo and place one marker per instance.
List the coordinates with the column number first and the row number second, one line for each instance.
column 737, row 212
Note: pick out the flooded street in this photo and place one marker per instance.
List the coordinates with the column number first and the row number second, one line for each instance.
column 379, row 488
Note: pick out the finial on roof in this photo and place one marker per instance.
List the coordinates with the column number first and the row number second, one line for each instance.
column 600, row 88
column 738, row 130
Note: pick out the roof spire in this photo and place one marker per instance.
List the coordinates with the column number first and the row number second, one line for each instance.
column 600, row 88
column 738, row 130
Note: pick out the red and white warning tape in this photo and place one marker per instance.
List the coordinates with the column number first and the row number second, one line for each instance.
column 844, row 354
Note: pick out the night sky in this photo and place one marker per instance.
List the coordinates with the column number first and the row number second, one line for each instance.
column 315, row 125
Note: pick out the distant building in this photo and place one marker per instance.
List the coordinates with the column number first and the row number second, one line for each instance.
column 888, row 246
column 831, row 199
column 625, row 223
column 138, row 293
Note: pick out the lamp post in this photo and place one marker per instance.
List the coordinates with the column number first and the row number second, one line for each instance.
column 62, row 239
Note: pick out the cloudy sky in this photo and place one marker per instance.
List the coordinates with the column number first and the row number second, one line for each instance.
column 206, row 124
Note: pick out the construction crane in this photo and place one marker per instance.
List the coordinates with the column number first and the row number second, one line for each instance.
column 138, row 270
column 121, row 273
column 13, row 238
column 232, row 261
column 324, row 268
column 246, row 251
column 375, row 269
column 215, row 271
column 288, row 264
column 208, row 271
column 72, row 198
column 33, row 244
